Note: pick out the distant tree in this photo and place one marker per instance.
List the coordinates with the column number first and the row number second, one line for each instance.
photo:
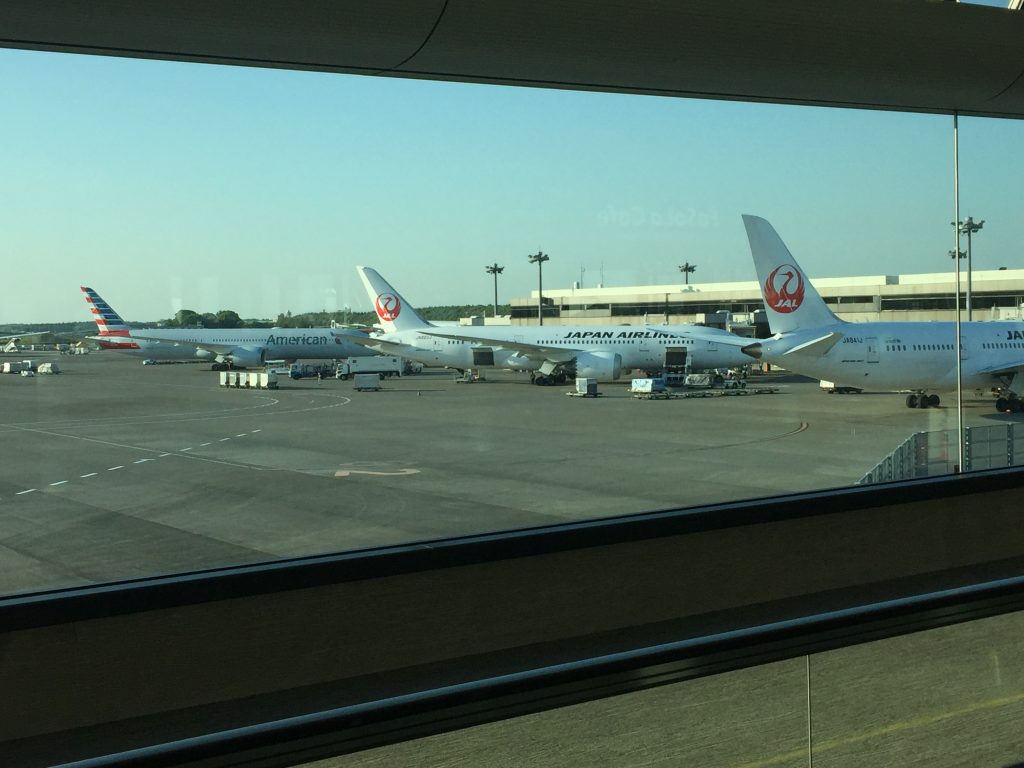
column 209, row 320
column 348, row 317
column 228, row 318
column 186, row 318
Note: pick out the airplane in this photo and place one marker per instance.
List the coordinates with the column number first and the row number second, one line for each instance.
column 224, row 347
column 919, row 356
column 10, row 342
column 550, row 353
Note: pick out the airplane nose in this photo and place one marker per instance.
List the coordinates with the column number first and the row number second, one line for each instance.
column 754, row 350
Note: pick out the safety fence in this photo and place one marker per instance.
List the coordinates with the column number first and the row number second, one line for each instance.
column 927, row 454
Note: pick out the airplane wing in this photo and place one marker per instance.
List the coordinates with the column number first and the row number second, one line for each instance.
column 381, row 345
column 555, row 354
column 24, row 335
column 220, row 349
column 704, row 334
column 1003, row 369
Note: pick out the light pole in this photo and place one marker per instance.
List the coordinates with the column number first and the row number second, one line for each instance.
column 686, row 269
column 539, row 258
column 969, row 227
column 495, row 270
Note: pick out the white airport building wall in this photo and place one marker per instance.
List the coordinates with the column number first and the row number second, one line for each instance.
column 996, row 295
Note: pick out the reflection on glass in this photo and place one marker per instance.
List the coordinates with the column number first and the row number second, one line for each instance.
column 946, row 697
column 950, row 696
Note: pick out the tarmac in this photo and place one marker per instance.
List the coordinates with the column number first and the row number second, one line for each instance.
column 114, row 470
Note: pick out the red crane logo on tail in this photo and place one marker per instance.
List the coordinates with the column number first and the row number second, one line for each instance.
column 388, row 306
column 784, row 289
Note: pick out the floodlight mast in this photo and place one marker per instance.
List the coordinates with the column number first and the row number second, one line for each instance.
column 687, row 269
column 495, row 270
column 968, row 227
column 539, row 258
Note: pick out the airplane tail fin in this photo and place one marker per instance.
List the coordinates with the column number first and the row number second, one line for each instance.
column 107, row 320
column 394, row 312
column 790, row 301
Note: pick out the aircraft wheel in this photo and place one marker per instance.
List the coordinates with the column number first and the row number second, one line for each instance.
column 922, row 401
column 911, row 401
column 933, row 401
column 540, row 381
column 1002, row 405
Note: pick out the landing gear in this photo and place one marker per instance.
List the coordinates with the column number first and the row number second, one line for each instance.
column 911, row 401
column 1009, row 405
column 933, row 401
column 546, row 380
column 922, row 401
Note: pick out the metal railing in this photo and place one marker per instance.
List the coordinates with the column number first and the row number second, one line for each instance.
column 929, row 454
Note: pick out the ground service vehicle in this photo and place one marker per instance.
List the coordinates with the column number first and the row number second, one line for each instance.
column 384, row 365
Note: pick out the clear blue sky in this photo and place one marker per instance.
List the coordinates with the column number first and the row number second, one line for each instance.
column 166, row 185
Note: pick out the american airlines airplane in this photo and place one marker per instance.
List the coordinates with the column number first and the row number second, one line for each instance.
column 549, row 352
column 224, row 347
column 919, row 356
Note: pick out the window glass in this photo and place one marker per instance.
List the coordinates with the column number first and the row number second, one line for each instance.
column 191, row 198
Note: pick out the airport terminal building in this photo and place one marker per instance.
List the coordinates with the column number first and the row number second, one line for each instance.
column 996, row 295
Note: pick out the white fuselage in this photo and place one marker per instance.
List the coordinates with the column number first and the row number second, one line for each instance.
column 907, row 355
column 639, row 348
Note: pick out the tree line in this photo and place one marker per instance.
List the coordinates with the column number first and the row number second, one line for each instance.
column 227, row 318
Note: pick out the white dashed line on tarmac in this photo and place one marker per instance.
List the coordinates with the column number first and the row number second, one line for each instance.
column 138, row 461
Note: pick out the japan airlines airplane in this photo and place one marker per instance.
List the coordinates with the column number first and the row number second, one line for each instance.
column 551, row 352
column 242, row 347
column 919, row 356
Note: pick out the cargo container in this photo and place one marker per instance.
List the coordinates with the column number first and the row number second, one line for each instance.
column 647, row 386
column 586, row 386
column 366, row 381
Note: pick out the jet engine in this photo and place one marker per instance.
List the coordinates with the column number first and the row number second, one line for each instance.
column 248, row 357
column 205, row 354
column 603, row 366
